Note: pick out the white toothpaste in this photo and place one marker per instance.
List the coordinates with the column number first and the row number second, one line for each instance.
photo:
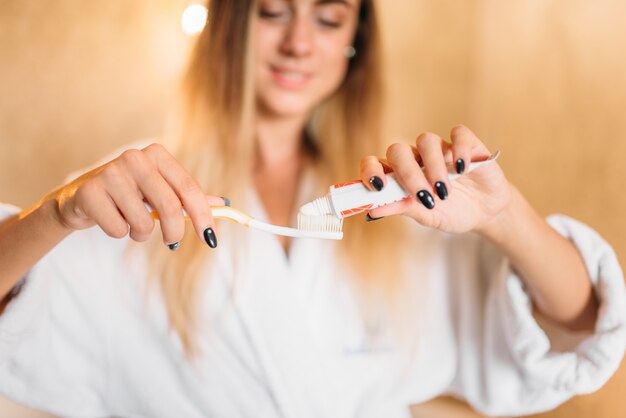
column 352, row 198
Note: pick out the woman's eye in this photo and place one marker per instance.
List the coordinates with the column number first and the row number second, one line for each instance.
column 273, row 14
column 329, row 23
column 329, row 17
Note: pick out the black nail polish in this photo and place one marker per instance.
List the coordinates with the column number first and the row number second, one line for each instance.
column 442, row 190
column 368, row 218
column 377, row 183
column 460, row 165
column 174, row 246
column 426, row 199
column 210, row 238
column 226, row 201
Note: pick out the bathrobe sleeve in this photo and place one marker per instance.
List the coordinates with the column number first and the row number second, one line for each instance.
column 53, row 333
column 511, row 365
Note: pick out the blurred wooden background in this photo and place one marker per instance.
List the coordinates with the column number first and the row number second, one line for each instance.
column 544, row 81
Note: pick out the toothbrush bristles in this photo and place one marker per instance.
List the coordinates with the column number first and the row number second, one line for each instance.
column 319, row 223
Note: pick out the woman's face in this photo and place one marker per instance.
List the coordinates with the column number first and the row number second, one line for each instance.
column 301, row 52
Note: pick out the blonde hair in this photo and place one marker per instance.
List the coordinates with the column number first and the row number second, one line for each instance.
column 215, row 140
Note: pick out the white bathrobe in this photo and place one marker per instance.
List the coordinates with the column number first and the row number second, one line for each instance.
column 283, row 337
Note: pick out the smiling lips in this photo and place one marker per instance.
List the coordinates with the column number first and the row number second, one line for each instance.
column 290, row 78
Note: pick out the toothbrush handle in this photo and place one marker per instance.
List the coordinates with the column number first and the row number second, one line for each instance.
column 219, row 212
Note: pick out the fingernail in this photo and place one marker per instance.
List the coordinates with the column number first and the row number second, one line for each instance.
column 377, row 183
column 460, row 165
column 368, row 218
column 426, row 199
column 442, row 190
column 210, row 238
column 226, row 201
column 174, row 246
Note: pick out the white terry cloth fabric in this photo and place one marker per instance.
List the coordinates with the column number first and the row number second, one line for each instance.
column 282, row 337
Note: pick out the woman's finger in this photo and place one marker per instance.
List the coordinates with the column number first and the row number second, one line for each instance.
column 95, row 203
column 466, row 147
column 409, row 174
column 386, row 166
column 158, row 193
column 430, row 148
column 129, row 201
column 193, row 199
column 372, row 173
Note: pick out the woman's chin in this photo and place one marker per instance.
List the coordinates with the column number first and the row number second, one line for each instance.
column 286, row 108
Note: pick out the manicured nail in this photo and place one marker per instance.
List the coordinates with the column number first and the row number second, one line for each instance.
column 368, row 218
column 174, row 246
column 442, row 190
column 226, row 201
column 377, row 183
column 426, row 199
column 210, row 238
column 460, row 165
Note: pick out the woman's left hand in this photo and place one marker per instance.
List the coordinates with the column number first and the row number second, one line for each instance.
column 470, row 203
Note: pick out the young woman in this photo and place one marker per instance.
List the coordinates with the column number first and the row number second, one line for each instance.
column 282, row 100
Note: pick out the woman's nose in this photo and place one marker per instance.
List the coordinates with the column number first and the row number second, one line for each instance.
column 298, row 39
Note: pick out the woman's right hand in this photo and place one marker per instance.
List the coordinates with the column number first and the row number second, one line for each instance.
column 113, row 197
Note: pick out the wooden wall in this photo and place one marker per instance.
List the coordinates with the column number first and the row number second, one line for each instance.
column 544, row 81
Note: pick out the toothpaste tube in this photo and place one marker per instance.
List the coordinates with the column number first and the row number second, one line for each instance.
column 352, row 198
column 348, row 199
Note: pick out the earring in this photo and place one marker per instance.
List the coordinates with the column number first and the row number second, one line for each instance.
column 350, row 52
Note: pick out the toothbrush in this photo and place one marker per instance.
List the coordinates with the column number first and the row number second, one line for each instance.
column 323, row 217
column 327, row 227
